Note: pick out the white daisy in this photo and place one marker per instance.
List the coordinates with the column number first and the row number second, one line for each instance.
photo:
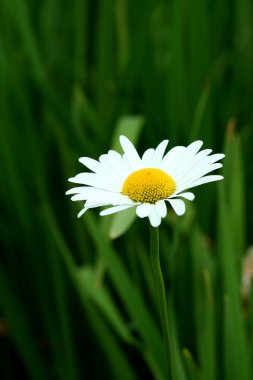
column 147, row 183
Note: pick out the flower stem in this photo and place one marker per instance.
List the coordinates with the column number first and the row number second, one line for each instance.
column 155, row 261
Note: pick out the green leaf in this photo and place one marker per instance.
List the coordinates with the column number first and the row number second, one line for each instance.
column 121, row 222
column 129, row 126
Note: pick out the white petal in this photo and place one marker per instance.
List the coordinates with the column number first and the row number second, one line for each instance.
column 130, row 153
column 178, row 206
column 159, row 152
column 204, row 163
column 95, row 180
column 203, row 153
column 112, row 210
column 154, row 217
column 95, row 204
column 76, row 190
column 188, row 195
column 82, row 212
column 189, row 164
column 185, row 160
column 91, row 164
column 147, row 157
column 207, row 161
column 199, row 174
column 198, row 170
column 109, row 171
column 88, row 191
column 208, row 178
column 186, row 156
column 79, row 197
column 161, row 208
column 170, row 159
column 115, row 164
column 84, row 192
column 102, row 196
column 194, row 147
column 143, row 210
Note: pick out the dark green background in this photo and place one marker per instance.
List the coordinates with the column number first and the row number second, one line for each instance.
column 73, row 75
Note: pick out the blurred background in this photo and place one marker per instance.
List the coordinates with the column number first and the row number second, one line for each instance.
column 77, row 298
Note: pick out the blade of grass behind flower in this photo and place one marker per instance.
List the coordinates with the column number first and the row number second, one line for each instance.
column 84, row 113
column 80, row 38
column 235, row 353
column 19, row 13
column 104, row 65
column 177, row 360
column 201, row 106
column 176, row 75
column 204, row 305
column 208, row 349
column 121, row 22
column 10, row 170
column 234, row 177
column 197, row 20
column 119, row 363
column 67, row 358
column 100, row 296
column 19, row 329
column 192, row 369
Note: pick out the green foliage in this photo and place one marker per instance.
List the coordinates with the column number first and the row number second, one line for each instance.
column 77, row 297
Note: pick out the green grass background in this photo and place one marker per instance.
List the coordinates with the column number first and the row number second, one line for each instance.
column 77, row 298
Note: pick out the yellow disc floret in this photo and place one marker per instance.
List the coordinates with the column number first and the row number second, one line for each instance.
column 148, row 185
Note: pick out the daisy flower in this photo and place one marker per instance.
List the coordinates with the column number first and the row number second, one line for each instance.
column 149, row 183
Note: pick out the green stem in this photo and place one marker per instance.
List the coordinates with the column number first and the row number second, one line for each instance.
column 155, row 261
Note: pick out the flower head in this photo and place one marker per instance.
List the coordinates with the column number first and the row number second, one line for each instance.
column 147, row 183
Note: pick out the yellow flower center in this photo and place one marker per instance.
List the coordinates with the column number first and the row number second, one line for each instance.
column 148, row 185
